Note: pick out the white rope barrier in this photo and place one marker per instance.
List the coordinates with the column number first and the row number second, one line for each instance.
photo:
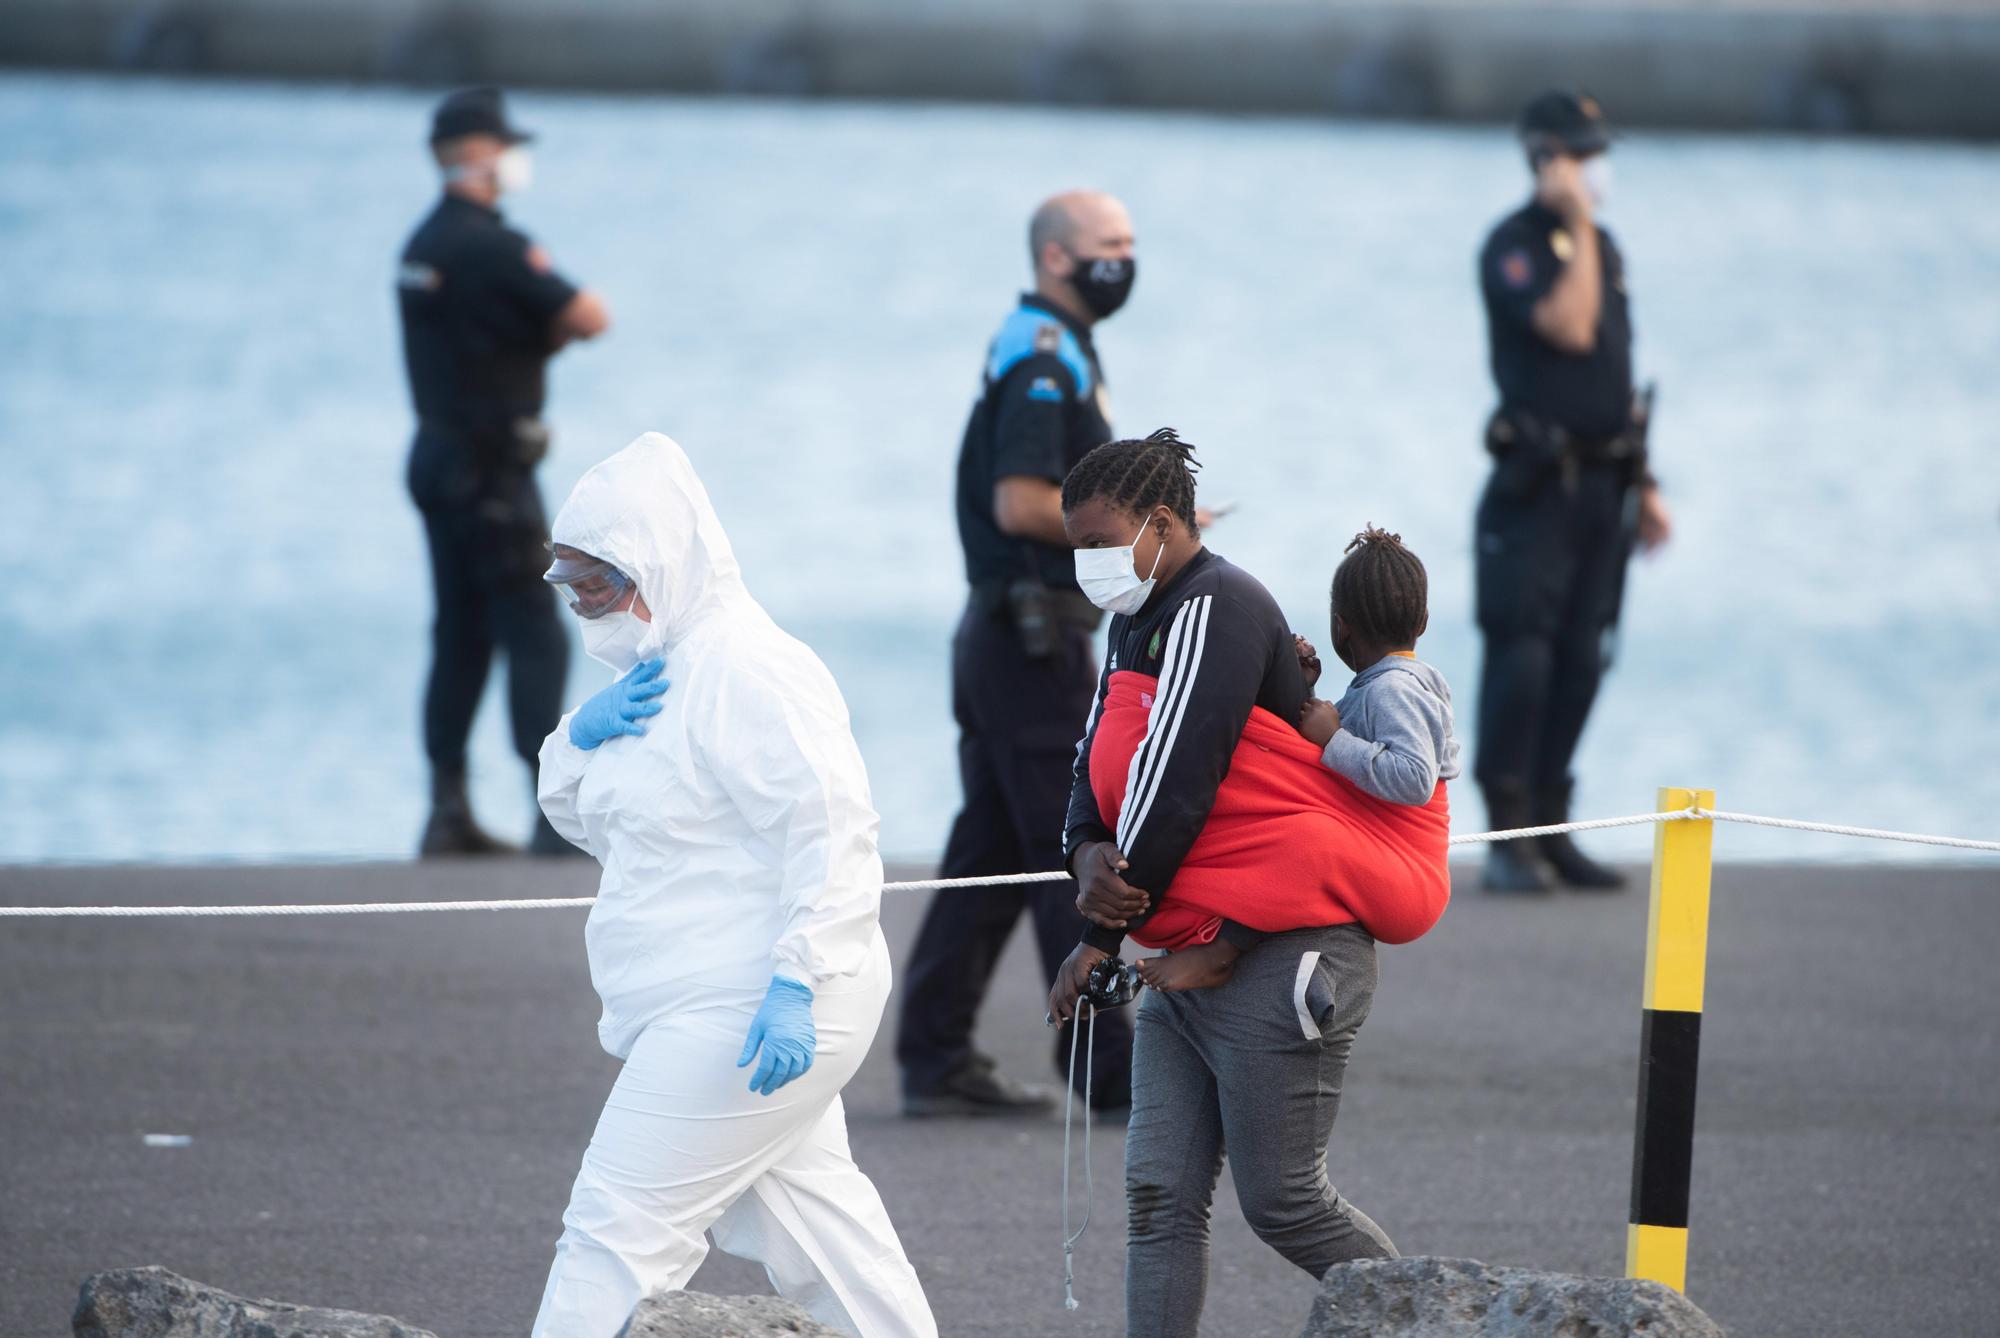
column 1834, row 829
column 347, row 908
column 1558, row 828
column 948, row 884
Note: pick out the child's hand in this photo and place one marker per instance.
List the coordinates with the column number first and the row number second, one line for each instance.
column 1201, row 968
column 1319, row 720
column 1308, row 660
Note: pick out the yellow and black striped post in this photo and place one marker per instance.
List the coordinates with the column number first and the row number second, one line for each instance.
column 1670, row 1042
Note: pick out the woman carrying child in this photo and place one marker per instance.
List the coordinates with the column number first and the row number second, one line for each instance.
column 1202, row 821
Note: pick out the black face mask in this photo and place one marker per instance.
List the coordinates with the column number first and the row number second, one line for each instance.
column 1103, row 284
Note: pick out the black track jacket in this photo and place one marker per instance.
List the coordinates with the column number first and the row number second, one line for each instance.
column 1219, row 645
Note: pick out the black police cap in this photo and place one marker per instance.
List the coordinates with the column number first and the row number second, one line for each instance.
column 475, row 111
column 1572, row 121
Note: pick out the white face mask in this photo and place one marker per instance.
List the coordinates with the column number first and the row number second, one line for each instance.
column 614, row 639
column 1596, row 173
column 1110, row 576
column 513, row 170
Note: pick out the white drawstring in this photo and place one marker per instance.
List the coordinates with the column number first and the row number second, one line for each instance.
column 1069, row 1101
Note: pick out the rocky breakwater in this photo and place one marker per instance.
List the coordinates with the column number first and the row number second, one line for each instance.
column 157, row 1303
column 1463, row 1298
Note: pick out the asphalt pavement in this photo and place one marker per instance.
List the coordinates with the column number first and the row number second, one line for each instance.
column 384, row 1113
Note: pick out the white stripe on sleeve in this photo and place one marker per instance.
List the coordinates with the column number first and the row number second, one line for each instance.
column 1139, row 771
column 1177, row 679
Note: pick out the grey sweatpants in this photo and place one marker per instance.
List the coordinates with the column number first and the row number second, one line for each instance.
column 1254, row 1065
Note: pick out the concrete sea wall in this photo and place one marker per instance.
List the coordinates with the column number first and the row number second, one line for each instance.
column 1930, row 68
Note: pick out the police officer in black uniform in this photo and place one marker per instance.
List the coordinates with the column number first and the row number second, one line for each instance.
column 1023, row 670
column 1570, row 491
column 483, row 311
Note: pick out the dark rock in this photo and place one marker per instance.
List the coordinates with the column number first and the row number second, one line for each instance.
column 1461, row 1298
column 156, row 1303
column 695, row 1315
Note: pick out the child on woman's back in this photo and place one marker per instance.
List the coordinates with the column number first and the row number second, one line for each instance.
column 1391, row 732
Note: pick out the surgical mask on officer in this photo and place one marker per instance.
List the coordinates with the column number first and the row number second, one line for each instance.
column 513, row 170
column 1596, row 175
column 1103, row 284
column 613, row 640
column 1110, row 576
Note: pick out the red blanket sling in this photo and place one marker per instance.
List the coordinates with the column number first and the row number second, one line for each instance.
column 1289, row 843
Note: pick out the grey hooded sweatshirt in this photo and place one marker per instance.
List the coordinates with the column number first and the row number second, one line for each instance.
column 1395, row 739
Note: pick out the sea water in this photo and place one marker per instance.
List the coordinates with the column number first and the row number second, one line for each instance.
column 213, row 641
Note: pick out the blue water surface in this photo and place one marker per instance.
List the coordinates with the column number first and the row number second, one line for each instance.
column 213, row 643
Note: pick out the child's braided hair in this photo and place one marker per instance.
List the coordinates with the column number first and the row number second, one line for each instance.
column 1137, row 476
column 1380, row 590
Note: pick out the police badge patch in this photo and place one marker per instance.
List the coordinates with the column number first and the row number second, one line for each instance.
column 1516, row 270
column 418, row 278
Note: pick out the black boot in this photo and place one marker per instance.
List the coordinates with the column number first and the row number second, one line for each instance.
column 548, row 841
column 1511, row 866
column 1110, row 1082
column 1575, row 868
column 976, row 1088
column 451, row 830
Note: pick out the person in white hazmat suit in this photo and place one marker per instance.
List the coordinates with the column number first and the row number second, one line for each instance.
column 735, row 926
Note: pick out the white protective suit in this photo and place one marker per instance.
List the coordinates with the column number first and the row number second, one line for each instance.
column 738, row 840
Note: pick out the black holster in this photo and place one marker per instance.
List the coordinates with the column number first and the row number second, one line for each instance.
column 529, row 442
column 509, row 445
column 1042, row 616
column 1528, row 450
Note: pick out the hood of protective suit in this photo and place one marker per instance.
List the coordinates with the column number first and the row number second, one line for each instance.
column 645, row 511
column 737, row 834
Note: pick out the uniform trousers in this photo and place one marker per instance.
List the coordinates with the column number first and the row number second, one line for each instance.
column 1550, row 569
column 488, row 553
column 1019, row 719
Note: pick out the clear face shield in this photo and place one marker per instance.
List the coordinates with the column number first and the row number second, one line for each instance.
column 590, row 586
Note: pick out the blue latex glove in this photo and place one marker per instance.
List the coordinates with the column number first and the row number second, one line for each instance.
column 621, row 708
column 783, row 1028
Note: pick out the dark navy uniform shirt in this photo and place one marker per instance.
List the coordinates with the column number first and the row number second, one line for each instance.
column 1041, row 408
column 479, row 302
column 1590, row 394
column 1220, row 645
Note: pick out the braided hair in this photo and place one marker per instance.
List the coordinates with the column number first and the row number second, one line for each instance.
column 1137, row 476
column 1380, row 590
